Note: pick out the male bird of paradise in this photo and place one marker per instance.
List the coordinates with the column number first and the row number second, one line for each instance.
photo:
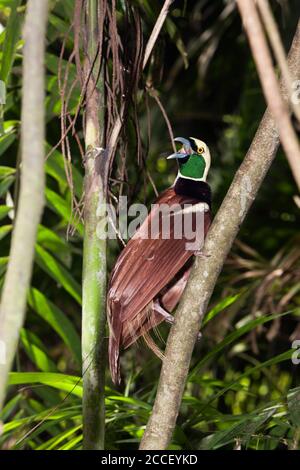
column 151, row 272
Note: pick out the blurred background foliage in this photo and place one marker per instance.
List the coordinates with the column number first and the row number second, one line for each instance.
column 242, row 388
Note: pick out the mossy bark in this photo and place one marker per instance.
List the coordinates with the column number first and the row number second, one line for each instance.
column 94, row 250
column 31, row 198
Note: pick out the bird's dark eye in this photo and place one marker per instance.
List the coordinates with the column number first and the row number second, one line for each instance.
column 201, row 150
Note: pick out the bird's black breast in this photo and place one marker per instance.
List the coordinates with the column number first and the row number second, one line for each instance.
column 191, row 188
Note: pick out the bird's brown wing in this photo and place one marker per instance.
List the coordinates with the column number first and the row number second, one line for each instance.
column 144, row 268
column 150, row 317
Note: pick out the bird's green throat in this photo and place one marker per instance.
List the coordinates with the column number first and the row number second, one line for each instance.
column 193, row 168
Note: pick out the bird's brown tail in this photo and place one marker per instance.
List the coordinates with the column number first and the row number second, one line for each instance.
column 127, row 333
column 114, row 360
column 115, row 329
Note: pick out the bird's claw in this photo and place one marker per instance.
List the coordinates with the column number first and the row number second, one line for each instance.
column 200, row 254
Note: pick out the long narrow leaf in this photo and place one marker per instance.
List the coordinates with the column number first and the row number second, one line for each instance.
column 58, row 321
column 12, row 33
column 67, row 383
column 229, row 339
column 35, row 352
column 52, row 267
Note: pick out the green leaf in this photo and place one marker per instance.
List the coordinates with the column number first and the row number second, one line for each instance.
column 46, row 421
column 68, row 6
column 58, row 321
column 262, row 365
column 12, row 32
column 59, row 24
column 220, row 307
column 293, row 400
column 50, row 240
column 52, row 267
column 67, row 383
column 5, row 230
column 4, row 211
column 130, row 401
column 52, row 443
column 55, row 167
column 243, row 429
column 6, row 140
column 251, row 325
column 6, row 171
column 6, row 3
column 10, row 407
column 58, row 204
column 35, row 351
column 3, row 264
column 73, row 442
column 62, row 208
column 53, row 61
column 5, row 184
column 46, row 414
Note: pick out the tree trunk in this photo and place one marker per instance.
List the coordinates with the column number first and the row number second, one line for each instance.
column 94, row 250
column 31, row 199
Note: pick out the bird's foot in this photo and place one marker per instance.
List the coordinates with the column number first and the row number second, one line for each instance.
column 159, row 309
column 201, row 254
column 168, row 317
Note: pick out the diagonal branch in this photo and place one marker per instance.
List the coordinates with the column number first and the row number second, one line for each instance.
column 31, row 199
column 277, row 105
column 191, row 310
column 279, row 52
column 156, row 30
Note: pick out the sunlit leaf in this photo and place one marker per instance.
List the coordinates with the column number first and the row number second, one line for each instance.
column 11, row 40
column 58, row 321
column 52, row 443
column 293, row 400
column 244, row 429
column 6, row 171
column 59, row 246
column 5, row 142
column 5, row 184
column 4, row 211
column 62, row 208
column 5, row 230
column 61, row 275
column 55, row 167
column 67, row 383
column 229, row 339
column 3, row 264
column 35, row 352
column 220, row 307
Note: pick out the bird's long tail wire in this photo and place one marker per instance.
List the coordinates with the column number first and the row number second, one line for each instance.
column 148, row 338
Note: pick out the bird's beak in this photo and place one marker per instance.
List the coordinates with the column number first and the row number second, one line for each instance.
column 184, row 151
